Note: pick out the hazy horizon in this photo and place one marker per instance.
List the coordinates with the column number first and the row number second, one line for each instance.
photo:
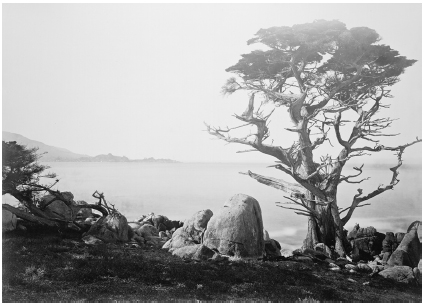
column 350, row 163
column 139, row 80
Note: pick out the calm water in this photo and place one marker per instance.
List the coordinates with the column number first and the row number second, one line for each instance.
column 179, row 190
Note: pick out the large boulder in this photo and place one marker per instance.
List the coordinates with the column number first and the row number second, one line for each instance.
column 402, row 274
column 195, row 226
column 58, row 209
column 9, row 221
column 110, row 229
column 408, row 253
column 237, row 230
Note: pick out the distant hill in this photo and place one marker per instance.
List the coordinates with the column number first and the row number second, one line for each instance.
column 53, row 154
column 57, row 154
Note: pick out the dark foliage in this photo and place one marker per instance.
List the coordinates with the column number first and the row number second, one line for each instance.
column 21, row 172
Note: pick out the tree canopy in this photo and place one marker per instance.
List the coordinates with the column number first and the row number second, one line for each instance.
column 21, row 172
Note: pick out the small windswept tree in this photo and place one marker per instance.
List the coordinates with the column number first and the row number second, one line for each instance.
column 320, row 72
column 21, row 174
column 21, row 178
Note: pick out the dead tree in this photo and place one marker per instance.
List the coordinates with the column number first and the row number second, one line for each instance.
column 320, row 72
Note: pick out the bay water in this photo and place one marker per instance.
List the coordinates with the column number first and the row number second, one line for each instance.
column 178, row 190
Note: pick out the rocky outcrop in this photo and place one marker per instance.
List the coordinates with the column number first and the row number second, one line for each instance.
column 110, row 229
column 408, row 253
column 58, row 209
column 9, row 221
column 402, row 274
column 365, row 242
column 237, row 230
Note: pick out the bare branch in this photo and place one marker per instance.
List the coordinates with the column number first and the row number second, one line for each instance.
column 357, row 206
column 249, row 150
column 276, row 183
column 306, row 212
column 381, row 147
column 394, row 181
column 346, row 178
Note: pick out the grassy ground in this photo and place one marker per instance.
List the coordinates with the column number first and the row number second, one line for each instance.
column 47, row 268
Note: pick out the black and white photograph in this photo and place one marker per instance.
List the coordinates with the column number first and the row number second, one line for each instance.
column 212, row 152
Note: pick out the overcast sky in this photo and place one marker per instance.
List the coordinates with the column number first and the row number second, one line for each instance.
column 140, row 79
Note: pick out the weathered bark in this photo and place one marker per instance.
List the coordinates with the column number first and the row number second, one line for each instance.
column 321, row 229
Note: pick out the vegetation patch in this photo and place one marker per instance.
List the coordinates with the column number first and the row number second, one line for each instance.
column 37, row 268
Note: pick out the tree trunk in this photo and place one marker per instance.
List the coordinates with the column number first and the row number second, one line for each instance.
column 320, row 229
column 339, row 230
column 312, row 232
column 326, row 228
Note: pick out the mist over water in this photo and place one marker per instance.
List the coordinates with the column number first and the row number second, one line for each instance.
column 179, row 190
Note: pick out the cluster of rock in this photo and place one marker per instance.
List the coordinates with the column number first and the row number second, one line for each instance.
column 152, row 230
column 395, row 256
column 366, row 243
column 236, row 231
